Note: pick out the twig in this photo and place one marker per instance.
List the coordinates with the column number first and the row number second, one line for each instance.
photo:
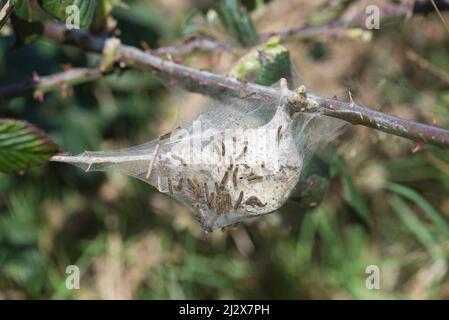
column 428, row 6
column 85, row 41
column 81, row 39
column 5, row 11
column 305, row 32
column 335, row 27
column 150, row 164
column 427, row 65
column 338, row 26
column 51, row 82
column 99, row 159
column 192, row 45
column 360, row 115
column 440, row 15
column 215, row 85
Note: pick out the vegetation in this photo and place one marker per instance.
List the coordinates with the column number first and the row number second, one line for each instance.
column 368, row 198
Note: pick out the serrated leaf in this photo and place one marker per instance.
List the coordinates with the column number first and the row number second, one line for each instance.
column 22, row 146
column 63, row 9
column 276, row 64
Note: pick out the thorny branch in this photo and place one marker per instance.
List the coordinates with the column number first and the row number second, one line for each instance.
column 61, row 80
column 333, row 28
column 216, row 85
column 338, row 26
column 192, row 45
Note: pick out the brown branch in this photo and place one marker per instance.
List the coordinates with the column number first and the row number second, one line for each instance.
column 85, row 41
column 361, row 115
column 192, row 45
column 215, row 85
column 427, row 65
column 333, row 28
column 55, row 81
column 5, row 11
column 437, row 10
column 79, row 38
column 428, row 6
column 337, row 27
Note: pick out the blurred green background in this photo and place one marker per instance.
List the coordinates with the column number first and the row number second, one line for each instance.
column 387, row 204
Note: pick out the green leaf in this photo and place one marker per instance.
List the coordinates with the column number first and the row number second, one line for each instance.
column 27, row 10
column 419, row 229
column 265, row 64
column 352, row 195
column 62, row 9
column 238, row 21
column 274, row 68
column 22, row 146
column 429, row 211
